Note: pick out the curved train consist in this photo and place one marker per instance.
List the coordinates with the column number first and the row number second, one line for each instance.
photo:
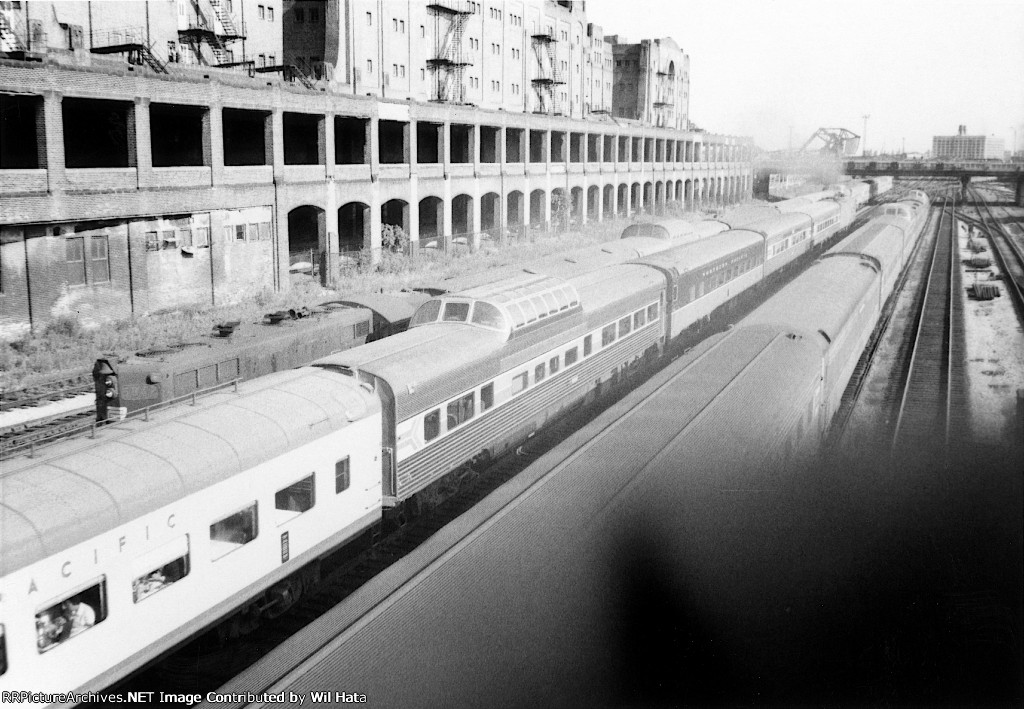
column 117, row 548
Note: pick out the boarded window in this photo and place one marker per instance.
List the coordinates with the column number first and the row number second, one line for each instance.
column 341, row 475
column 100, row 258
column 265, row 234
column 74, row 249
column 253, row 231
column 233, row 531
column 432, row 425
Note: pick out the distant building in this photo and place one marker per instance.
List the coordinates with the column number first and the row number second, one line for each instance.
column 652, row 82
column 967, row 147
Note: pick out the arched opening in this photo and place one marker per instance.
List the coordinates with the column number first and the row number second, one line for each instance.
column 462, row 216
column 431, row 221
column 679, row 193
column 561, row 208
column 576, row 215
column 659, row 197
column 688, row 194
column 490, row 213
column 648, row 205
column 537, row 209
column 307, row 232
column 353, row 226
column 623, row 200
column 516, row 209
column 593, row 203
column 609, row 201
column 395, row 212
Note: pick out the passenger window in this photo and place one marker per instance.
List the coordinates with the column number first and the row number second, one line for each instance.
column 487, row 315
column 625, row 326
column 160, row 568
column 639, row 319
column 540, row 305
column 608, row 335
column 652, row 312
column 552, row 304
column 539, row 373
column 520, row 382
column 71, row 616
column 562, row 298
column 571, row 356
column 426, row 313
column 295, row 499
column 460, row 411
column 456, row 312
column 233, row 531
column 588, row 345
column 487, row 397
column 432, row 425
column 554, row 364
column 342, row 476
column 529, row 310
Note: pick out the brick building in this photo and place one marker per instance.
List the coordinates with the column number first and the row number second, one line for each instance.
column 652, row 82
column 127, row 188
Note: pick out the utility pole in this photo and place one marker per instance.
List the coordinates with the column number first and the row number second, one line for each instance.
column 864, row 136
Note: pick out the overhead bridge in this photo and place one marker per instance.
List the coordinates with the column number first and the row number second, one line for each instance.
column 961, row 170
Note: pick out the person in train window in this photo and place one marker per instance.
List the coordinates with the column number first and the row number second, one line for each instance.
column 80, row 615
column 48, row 629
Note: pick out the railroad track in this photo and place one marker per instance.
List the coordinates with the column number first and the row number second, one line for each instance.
column 44, row 392
column 930, row 386
column 1007, row 251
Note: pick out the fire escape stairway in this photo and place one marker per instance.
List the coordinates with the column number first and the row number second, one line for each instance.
column 150, row 59
column 10, row 42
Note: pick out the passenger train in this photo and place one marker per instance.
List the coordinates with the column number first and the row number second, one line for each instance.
column 114, row 549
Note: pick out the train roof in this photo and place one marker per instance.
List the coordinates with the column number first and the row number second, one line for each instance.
column 393, row 307
column 82, row 487
column 736, row 217
column 689, row 256
column 817, row 211
column 609, row 286
column 665, row 229
column 777, row 223
column 821, row 300
column 417, row 363
column 594, row 257
column 531, row 572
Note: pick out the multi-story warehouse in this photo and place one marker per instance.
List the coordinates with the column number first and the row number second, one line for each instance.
column 186, row 164
column 652, row 82
column 967, row 147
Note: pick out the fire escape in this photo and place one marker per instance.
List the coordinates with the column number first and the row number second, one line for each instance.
column 15, row 42
column 664, row 98
column 130, row 41
column 448, row 63
column 213, row 26
column 548, row 76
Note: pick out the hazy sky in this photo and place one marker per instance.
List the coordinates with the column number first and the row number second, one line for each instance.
column 918, row 67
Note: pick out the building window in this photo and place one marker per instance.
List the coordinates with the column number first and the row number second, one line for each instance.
column 423, row 31
column 369, row 19
column 342, row 477
column 300, row 15
column 171, row 565
column 261, row 60
column 74, row 249
column 401, row 26
column 262, row 12
column 369, row 66
column 394, row 70
column 70, row 617
column 233, row 531
column 314, row 15
column 394, row 22
column 270, row 14
column 401, row 70
column 100, row 257
column 271, row 60
column 423, row 74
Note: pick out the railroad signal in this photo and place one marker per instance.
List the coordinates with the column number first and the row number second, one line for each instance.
column 108, row 398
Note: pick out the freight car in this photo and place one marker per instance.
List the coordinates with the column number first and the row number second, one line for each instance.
column 161, row 527
column 241, row 351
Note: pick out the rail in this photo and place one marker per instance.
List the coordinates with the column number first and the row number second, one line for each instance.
column 1008, row 253
column 924, row 408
